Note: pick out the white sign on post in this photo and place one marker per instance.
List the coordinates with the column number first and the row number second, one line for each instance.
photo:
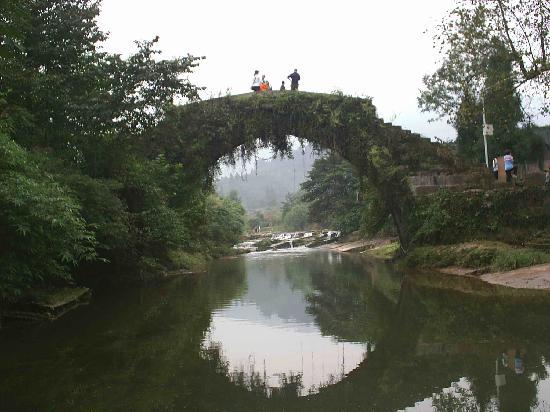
column 487, row 129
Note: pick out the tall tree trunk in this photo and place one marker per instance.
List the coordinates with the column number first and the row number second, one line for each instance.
column 401, row 205
column 402, row 228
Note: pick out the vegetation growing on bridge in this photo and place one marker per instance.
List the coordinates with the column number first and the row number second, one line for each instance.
column 232, row 127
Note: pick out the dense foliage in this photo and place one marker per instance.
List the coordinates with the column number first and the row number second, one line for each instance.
column 466, row 40
column 225, row 223
column 490, row 51
column 82, row 183
column 509, row 215
column 332, row 191
column 295, row 212
column 42, row 234
column 334, row 196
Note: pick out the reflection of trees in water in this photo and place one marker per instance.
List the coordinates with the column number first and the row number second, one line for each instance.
column 436, row 337
column 290, row 385
column 458, row 398
column 476, row 330
column 141, row 350
column 426, row 341
column 346, row 304
column 271, row 293
column 143, row 344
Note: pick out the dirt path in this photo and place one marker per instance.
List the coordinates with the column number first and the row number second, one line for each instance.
column 357, row 246
column 533, row 277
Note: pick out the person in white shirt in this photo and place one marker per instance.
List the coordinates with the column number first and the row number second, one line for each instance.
column 256, row 82
column 495, row 167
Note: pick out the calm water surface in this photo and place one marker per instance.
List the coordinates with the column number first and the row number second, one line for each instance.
column 287, row 331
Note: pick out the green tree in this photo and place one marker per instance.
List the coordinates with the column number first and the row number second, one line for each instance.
column 479, row 67
column 502, row 102
column 295, row 212
column 234, row 195
column 84, row 117
column 63, row 93
column 11, row 34
column 225, row 223
column 257, row 220
column 332, row 191
column 503, row 109
column 42, row 234
column 465, row 39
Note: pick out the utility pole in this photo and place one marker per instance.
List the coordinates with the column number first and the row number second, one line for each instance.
column 487, row 131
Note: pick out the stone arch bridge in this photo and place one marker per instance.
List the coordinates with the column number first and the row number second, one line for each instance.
column 200, row 134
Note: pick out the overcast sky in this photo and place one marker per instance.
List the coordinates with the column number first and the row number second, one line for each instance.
column 363, row 48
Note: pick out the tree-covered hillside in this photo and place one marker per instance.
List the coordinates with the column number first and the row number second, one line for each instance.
column 267, row 182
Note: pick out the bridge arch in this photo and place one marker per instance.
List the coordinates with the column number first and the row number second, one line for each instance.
column 200, row 134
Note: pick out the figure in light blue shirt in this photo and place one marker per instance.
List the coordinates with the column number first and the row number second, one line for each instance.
column 508, row 165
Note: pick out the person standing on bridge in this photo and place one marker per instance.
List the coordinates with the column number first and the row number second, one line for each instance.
column 508, row 165
column 268, row 87
column 256, row 82
column 294, row 79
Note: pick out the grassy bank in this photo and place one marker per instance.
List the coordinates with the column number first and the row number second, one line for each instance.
column 492, row 256
column 384, row 252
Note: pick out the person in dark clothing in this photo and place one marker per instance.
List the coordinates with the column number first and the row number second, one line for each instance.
column 282, row 88
column 294, row 79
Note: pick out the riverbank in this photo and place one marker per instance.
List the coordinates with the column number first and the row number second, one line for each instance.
column 495, row 263
column 47, row 304
column 359, row 246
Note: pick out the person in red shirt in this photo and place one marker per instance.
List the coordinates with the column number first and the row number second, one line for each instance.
column 264, row 85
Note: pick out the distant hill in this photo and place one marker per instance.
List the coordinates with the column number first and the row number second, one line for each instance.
column 267, row 185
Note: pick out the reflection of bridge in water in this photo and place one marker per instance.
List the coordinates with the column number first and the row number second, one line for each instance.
column 143, row 345
column 422, row 351
column 425, row 351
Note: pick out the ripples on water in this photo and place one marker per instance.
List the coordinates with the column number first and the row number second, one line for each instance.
column 293, row 330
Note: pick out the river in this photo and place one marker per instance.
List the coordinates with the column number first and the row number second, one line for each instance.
column 294, row 330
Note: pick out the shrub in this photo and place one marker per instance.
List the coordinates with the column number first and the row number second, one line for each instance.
column 42, row 234
column 494, row 256
column 225, row 224
column 503, row 214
